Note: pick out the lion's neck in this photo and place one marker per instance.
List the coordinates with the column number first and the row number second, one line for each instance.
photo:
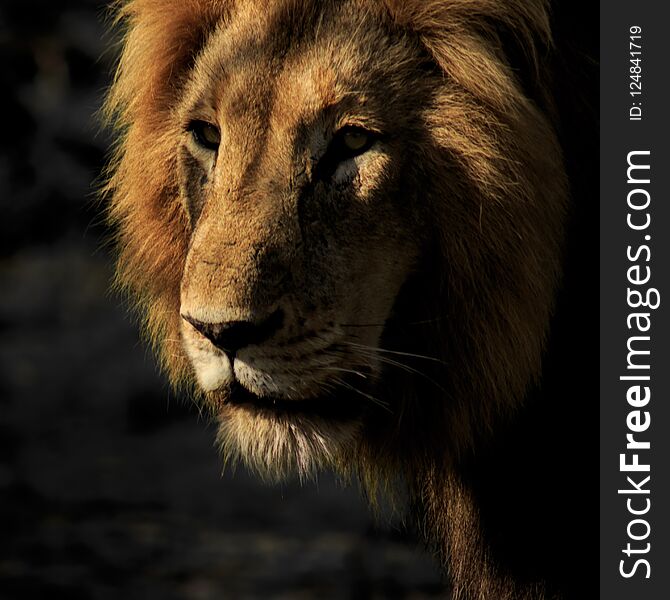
column 475, row 572
column 505, row 517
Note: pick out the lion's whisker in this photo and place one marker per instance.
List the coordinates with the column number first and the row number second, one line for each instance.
column 409, row 369
column 369, row 353
column 370, row 397
column 396, row 352
column 343, row 370
column 397, row 321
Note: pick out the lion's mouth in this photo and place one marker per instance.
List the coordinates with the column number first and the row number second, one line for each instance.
column 343, row 406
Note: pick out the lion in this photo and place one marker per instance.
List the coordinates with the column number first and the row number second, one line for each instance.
column 345, row 224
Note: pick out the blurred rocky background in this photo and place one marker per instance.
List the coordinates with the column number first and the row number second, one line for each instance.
column 110, row 486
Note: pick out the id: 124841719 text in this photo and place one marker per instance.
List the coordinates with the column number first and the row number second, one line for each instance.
column 635, row 84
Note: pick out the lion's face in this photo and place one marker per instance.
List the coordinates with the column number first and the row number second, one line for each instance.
column 293, row 159
column 299, row 184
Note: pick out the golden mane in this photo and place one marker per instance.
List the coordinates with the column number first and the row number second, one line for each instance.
column 160, row 41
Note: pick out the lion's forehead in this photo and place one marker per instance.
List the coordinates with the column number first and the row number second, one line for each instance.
column 287, row 63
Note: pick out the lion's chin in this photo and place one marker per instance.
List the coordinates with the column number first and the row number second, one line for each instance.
column 282, row 439
column 341, row 408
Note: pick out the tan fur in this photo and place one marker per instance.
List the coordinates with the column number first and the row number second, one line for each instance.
column 449, row 230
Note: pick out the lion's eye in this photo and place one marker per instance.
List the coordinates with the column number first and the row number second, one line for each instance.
column 205, row 134
column 347, row 143
column 355, row 140
column 350, row 142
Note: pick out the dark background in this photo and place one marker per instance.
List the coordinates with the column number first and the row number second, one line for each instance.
column 110, row 486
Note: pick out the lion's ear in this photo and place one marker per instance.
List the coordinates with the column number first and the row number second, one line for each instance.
column 485, row 45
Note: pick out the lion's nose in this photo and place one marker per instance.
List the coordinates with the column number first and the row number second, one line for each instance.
column 231, row 336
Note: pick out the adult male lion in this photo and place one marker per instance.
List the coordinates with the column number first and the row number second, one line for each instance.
column 345, row 223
